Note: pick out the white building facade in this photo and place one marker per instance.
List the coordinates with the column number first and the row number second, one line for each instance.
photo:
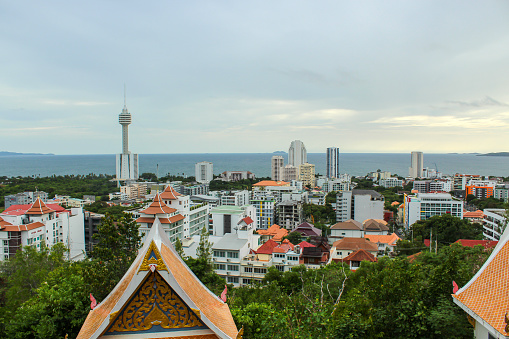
column 203, row 172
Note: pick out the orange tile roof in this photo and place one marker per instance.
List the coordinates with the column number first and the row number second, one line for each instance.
column 39, row 207
column 390, row 239
column 170, row 220
column 158, row 207
column 486, row 295
column 280, row 234
column 18, row 228
column 474, row 214
column 214, row 312
column 272, row 230
column 169, row 193
column 264, row 183
column 283, row 247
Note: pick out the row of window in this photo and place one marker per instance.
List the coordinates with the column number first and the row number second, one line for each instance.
column 226, row 254
column 255, row 270
column 228, row 267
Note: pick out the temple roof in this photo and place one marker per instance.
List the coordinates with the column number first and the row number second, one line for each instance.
column 39, row 207
column 486, row 296
column 158, row 207
column 159, row 297
column 169, row 193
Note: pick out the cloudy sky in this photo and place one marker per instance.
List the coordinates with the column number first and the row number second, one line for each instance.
column 251, row 76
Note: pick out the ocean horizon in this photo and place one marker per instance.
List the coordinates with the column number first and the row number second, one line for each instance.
column 356, row 164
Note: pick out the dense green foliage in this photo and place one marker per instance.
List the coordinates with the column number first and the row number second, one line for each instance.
column 244, row 184
column 392, row 298
column 74, row 185
column 102, row 207
column 483, row 203
column 447, row 228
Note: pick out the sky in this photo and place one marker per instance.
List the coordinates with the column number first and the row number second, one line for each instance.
column 251, row 76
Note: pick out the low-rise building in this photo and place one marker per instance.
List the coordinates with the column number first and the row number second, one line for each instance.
column 355, row 259
column 226, row 218
column 38, row 224
column 495, row 223
column 346, row 229
column 346, row 246
column 386, row 243
column 236, row 175
column 391, row 182
column 275, row 233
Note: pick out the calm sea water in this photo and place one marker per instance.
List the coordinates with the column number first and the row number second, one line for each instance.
column 258, row 163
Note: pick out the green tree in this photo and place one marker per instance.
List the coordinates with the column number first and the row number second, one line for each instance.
column 179, row 248
column 447, row 229
column 294, row 237
column 59, row 307
column 204, row 250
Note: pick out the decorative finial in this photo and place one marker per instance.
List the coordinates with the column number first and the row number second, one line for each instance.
column 506, row 320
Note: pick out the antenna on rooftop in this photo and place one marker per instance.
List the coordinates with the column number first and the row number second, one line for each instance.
column 125, row 101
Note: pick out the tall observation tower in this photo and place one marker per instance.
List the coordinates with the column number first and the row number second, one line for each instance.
column 126, row 162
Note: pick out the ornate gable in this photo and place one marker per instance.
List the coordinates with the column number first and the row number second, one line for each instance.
column 154, row 307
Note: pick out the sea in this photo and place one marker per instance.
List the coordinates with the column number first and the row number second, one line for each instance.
column 356, row 164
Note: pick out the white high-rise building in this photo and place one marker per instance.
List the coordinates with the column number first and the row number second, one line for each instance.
column 203, row 172
column 332, row 162
column 297, row 154
column 416, row 165
column 276, row 167
column 126, row 162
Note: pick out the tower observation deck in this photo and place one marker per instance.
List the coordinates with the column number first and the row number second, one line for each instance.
column 126, row 162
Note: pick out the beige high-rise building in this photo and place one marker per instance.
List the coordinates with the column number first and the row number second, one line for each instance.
column 307, row 174
column 416, row 165
column 276, row 165
column 290, row 173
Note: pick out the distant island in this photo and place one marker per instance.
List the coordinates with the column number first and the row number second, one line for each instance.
column 495, row 154
column 5, row 154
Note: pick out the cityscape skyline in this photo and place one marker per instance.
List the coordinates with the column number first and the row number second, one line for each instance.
column 421, row 75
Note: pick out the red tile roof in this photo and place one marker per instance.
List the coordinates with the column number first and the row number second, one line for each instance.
column 158, row 207
column 359, row 255
column 474, row 215
column 472, row 243
column 267, row 248
column 22, row 209
column 305, row 244
column 247, row 220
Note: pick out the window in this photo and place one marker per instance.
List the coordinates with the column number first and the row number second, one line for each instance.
column 233, row 254
column 219, row 266
column 260, row 270
column 6, row 257
column 6, row 242
column 220, row 254
column 280, row 268
column 246, row 281
column 233, row 280
column 6, row 249
column 233, row 267
column 248, row 269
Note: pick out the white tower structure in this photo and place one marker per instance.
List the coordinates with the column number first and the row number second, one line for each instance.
column 126, row 162
column 203, row 172
column 332, row 162
column 297, row 154
column 416, row 165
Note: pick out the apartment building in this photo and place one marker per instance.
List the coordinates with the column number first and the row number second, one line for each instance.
column 423, row 206
column 495, row 222
column 391, row 182
column 307, row 174
column 359, row 205
column 24, row 198
column 276, row 167
column 203, row 172
column 40, row 224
